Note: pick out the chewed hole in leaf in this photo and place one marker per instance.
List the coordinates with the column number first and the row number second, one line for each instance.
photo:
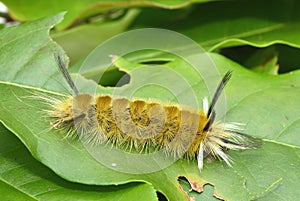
column 111, row 77
column 115, row 78
column 161, row 197
column 198, row 191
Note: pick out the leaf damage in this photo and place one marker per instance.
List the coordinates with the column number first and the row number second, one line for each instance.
column 196, row 186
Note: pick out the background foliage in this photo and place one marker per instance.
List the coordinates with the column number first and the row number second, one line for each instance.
column 258, row 40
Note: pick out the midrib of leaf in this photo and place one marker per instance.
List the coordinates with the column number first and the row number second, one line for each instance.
column 5, row 111
column 41, row 90
column 282, row 143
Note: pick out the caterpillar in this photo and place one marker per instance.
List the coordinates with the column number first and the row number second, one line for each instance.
column 140, row 124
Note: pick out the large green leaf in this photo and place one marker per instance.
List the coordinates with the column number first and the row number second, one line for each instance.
column 267, row 104
column 254, row 174
column 24, row 178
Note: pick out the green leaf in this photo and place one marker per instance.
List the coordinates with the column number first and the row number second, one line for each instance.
column 33, row 9
column 268, row 104
column 246, row 177
column 231, row 23
column 24, row 178
column 29, row 45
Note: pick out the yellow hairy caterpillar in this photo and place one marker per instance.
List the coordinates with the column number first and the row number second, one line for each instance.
column 139, row 124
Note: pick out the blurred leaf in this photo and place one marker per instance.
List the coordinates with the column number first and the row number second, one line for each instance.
column 79, row 41
column 24, row 178
column 288, row 58
column 26, row 10
column 283, row 56
column 264, row 61
column 231, row 23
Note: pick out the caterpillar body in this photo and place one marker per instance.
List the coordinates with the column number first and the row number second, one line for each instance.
column 139, row 124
